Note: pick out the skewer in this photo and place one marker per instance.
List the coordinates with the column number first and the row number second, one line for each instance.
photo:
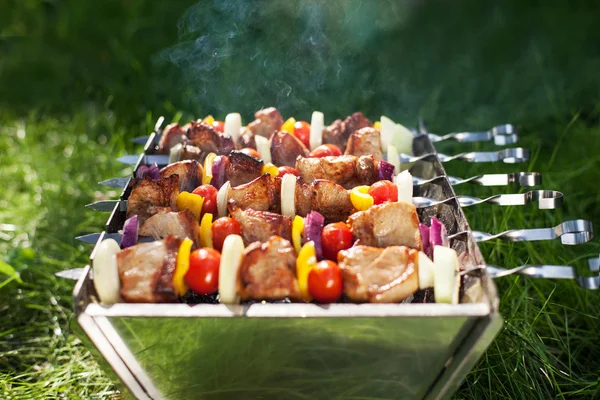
column 547, row 199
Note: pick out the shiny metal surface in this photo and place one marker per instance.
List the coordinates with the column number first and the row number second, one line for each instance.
column 516, row 178
column 546, row 199
column 502, row 135
column 573, row 232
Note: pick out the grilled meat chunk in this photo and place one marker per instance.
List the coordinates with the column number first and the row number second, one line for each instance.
column 365, row 142
column 329, row 198
column 268, row 271
column 172, row 135
column 388, row 224
column 189, row 152
column 246, row 139
column 338, row 132
column 189, row 172
column 347, row 171
column 259, row 226
column 146, row 271
column 243, row 168
column 267, row 122
column 261, row 194
column 204, row 136
column 285, row 148
column 379, row 275
column 150, row 195
column 181, row 224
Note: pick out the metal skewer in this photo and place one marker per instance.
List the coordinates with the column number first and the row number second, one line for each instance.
column 502, row 135
column 547, row 199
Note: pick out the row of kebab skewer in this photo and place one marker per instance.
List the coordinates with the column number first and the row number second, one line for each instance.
column 276, row 211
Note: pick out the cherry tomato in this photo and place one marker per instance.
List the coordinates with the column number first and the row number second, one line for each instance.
column 203, row 275
column 335, row 237
column 383, row 191
column 250, row 152
column 325, row 150
column 287, row 170
column 302, row 132
column 222, row 228
column 209, row 193
column 219, row 126
column 325, row 282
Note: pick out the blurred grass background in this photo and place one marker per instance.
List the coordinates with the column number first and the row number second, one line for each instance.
column 78, row 80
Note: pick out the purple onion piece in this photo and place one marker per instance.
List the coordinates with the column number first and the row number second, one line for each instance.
column 219, row 171
column 385, row 171
column 313, row 226
column 438, row 236
column 424, row 230
column 151, row 171
column 130, row 232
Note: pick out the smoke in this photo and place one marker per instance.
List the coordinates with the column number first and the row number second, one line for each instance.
column 296, row 55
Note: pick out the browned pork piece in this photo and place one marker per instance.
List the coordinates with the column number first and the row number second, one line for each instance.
column 347, row 171
column 246, row 139
column 259, row 226
column 285, row 148
column 189, row 152
column 329, row 198
column 164, row 223
column 172, row 135
column 339, row 131
column 149, row 196
column 388, row 224
column 189, row 172
column 261, row 194
column 146, row 271
column 243, row 168
column 204, row 136
column 379, row 275
column 268, row 271
column 365, row 142
column 266, row 123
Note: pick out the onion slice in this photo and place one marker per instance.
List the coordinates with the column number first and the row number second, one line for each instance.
column 317, row 124
column 175, row 153
column 402, row 139
column 231, row 259
column 130, row 232
column 404, row 182
column 438, row 235
column 106, row 272
column 426, row 270
column 222, row 198
column 233, row 125
column 219, row 171
column 392, row 157
column 424, row 231
column 446, row 283
column 385, row 172
column 150, row 171
column 288, row 195
column 388, row 128
column 313, row 227
column 263, row 147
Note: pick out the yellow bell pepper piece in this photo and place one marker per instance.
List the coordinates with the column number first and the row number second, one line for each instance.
column 288, row 125
column 360, row 198
column 181, row 267
column 207, row 172
column 306, row 261
column 209, row 119
column 206, row 231
column 192, row 202
column 377, row 125
column 297, row 229
column 270, row 169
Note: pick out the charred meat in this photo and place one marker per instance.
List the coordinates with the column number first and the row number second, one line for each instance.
column 172, row 135
column 261, row 194
column 148, row 196
column 189, row 172
column 285, row 148
column 268, row 271
column 339, row 131
column 365, row 142
column 259, row 226
column 347, row 171
column 180, row 224
column 204, row 136
column 146, row 271
column 266, row 123
column 243, row 168
column 379, row 275
column 329, row 198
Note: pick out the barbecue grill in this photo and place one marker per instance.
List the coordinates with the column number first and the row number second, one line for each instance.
column 273, row 350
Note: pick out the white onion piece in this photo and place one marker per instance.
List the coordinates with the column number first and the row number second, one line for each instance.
column 404, row 182
column 317, row 124
column 263, row 147
column 426, row 271
column 288, row 195
column 446, row 283
column 402, row 139
column 106, row 273
column 233, row 125
column 222, row 198
column 231, row 259
column 175, row 153
column 388, row 129
column 392, row 157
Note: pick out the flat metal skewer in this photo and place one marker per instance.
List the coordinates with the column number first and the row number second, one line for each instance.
column 502, row 135
column 547, row 199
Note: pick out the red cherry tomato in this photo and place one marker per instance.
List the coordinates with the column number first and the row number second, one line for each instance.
column 209, row 193
column 287, row 170
column 219, row 126
column 383, row 191
column 222, row 228
column 325, row 282
column 325, row 150
column 250, row 152
column 335, row 237
column 203, row 275
column 302, row 132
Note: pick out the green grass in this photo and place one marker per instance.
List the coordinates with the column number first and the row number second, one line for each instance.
column 79, row 79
